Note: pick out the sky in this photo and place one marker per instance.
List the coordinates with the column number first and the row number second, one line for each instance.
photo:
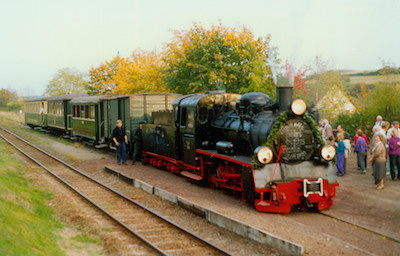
column 39, row 37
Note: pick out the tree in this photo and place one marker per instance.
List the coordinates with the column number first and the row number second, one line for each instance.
column 142, row 72
column 67, row 81
column 382, row 100
column 224, row 58
column 103, row 78
column 16, row 104
column 320, row 83
column 6, row 96
column 296, row 78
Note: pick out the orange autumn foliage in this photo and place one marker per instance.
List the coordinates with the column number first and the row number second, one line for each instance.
column 142, row 73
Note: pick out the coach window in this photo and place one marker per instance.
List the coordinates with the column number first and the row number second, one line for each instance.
column 86, row 111
column 91, row 112
column 82, row 112
column 183, row 117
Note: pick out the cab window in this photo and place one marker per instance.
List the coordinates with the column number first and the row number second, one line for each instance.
column 190, row 119
column 183, row 117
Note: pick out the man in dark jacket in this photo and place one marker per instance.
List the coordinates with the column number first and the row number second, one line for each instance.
column 137, row 152
column 121, row 140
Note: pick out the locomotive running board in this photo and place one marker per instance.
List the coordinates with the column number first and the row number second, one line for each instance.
column 191, row 175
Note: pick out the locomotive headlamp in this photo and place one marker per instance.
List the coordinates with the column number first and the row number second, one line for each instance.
column 328, row 152
column 298, row 107
column 264, row 154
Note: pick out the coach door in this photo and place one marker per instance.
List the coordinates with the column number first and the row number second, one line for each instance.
column 187, row 135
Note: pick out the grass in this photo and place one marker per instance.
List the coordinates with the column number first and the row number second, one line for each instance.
column 86, row 238
column 10, row 120
column 107, row 229
column 27, row 224
column 369, row 79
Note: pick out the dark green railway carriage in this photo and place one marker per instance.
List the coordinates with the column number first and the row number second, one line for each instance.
column 115, row 108
column 59, row 115
column 133, row 109
column 95, row 117
column 36, row 111
column 87, row 118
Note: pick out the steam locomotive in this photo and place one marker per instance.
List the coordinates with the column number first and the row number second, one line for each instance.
column 268, row 153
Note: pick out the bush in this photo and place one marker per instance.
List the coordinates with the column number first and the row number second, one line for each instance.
column 358, row 119
column 15, row 105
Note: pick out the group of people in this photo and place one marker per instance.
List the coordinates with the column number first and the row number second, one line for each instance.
column 120, row 140
column 382, row 151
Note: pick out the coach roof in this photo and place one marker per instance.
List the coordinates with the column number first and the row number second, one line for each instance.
column 88, row 99
column 38, row 99
column 67, row 97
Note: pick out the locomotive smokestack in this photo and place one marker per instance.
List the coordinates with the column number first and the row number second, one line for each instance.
column 284, row 96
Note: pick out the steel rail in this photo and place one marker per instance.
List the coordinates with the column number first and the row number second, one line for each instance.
column 153, row 246
column 360, row 227
column 160, row 251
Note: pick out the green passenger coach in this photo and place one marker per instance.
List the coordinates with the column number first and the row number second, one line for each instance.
column 36, row 112
column 59, row 117
column 87, row 120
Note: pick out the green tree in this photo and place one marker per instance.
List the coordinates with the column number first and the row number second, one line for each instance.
column 67, row 81
column 219, row 58
column 321, row 83
column 6, row 96
column 16, row 104
column 384, row 100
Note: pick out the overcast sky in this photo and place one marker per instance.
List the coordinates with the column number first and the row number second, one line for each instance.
column 40, row 37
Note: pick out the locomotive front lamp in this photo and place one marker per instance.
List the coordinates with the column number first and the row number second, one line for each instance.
column 298, row 107
column 264, row 154
column 328, row 152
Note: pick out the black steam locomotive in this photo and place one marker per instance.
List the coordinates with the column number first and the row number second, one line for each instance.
column 266, row 152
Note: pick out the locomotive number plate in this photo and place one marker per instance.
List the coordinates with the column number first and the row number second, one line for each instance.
column 313, row 187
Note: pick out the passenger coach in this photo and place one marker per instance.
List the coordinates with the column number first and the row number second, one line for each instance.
column 36, row 112
column 59, row 117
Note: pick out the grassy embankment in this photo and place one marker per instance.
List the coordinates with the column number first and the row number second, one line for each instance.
column 27, row 224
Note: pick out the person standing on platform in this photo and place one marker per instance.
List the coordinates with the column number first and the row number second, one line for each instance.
column 379, row 121
column 121, row 140
column 394, row 153
column 328, row 133
column 137, row 152
column 347, row 145
column 361, row 149
column 366, row 141
column 378, row 158
column 340, row 150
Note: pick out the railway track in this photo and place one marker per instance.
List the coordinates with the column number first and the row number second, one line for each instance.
column 360, row 227
column 161, row 235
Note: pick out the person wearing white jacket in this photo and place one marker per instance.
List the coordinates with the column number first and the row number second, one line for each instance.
column 347, row 146
column 347, row 150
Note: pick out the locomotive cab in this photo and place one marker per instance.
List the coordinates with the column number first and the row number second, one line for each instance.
column 193, row 120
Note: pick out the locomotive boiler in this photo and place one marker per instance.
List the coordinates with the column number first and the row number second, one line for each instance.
column 266, row 152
